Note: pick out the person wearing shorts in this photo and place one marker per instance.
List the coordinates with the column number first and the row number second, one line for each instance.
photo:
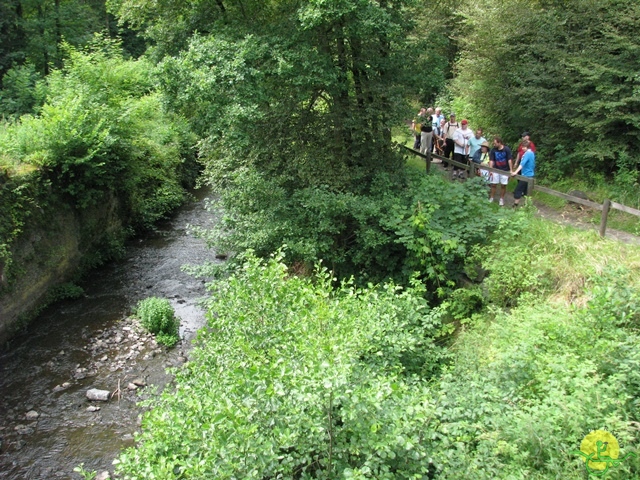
column 500, row 158
column 527, row 166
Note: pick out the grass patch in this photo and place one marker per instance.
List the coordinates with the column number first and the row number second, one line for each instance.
column 402, row 135
column 416, row 163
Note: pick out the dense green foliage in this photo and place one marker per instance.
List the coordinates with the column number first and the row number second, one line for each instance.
column 296, row 379
column 567, row 72
column 425, row 224
column 158, row 317
column 397, row 372
column 32, row 33
column 295, row 105
column 102, row 131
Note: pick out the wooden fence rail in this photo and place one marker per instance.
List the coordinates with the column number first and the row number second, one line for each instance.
column 472, row 167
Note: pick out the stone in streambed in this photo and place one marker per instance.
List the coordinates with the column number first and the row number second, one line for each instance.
column 32, row 415
column 98, row 395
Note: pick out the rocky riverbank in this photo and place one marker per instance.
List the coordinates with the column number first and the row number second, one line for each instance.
column 48, row 426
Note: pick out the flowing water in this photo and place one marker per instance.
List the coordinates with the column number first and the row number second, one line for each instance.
column 47, row 425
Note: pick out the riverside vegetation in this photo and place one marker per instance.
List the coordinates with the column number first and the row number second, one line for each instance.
column 158, row 317
column 295, row 378
column 100, row 129
column 407, row 329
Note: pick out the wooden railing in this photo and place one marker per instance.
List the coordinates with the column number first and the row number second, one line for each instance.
column 472, row 168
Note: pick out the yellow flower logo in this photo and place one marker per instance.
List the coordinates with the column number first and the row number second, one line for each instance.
column 600, row 450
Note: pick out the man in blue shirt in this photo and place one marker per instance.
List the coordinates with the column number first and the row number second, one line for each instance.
column 500, row 158
column 527, row 167
column 475, row 142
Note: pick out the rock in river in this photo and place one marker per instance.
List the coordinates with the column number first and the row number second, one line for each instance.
column 32, row 415
column 98, row 395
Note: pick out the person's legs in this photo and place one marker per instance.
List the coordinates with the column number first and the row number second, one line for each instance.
column 492, row 192
column 504, row 179
column 519, row 192
column 458, row 157
column 448, row 149
column 425, row 142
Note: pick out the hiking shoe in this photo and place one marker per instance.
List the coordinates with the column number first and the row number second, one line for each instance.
column 502, row 202
column 491, row 200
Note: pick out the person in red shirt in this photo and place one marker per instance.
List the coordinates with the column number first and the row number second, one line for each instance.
column 522, row 149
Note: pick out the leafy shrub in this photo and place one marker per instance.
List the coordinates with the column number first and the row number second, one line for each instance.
column 614, row 300
column 23, row 91
column 157, row 316
column 102, row 131
column 296, row 379
column 405, row 224
column 65, row 291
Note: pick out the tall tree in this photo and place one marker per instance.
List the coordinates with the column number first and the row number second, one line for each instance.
column 306, row 91
column 12, row 37
column 295, row 103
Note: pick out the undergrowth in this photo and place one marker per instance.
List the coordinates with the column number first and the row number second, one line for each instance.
column 294, row 378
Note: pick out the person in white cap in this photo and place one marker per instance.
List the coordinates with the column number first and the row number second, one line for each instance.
column 461, row 139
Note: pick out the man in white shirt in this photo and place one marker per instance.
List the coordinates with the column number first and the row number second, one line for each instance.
column 461, row 146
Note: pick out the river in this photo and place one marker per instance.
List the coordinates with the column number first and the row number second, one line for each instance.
column 47, row 425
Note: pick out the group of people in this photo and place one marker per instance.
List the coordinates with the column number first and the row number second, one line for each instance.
column 434, row 133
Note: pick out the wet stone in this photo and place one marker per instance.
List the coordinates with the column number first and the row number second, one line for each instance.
column 32, row 415
column 93, row 408
column 23, row 430
column 95, row 394
column 139, row 382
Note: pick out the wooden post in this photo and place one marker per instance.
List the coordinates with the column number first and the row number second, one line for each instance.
column 472, row 169
column 605, row 213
